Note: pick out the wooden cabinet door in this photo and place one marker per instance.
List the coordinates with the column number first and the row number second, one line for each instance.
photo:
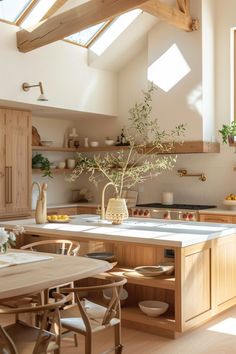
column 16, row 199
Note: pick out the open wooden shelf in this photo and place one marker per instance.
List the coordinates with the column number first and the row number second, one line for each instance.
column 187, row 147
column 53, row 170
column 161, row 281
column 190, row 147
column 80, row 149
column 134, row 314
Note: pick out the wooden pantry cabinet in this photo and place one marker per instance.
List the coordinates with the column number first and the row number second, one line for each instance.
column 15, row 163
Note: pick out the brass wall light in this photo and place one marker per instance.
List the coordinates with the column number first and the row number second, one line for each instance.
column 184, row 173
column 26, row 87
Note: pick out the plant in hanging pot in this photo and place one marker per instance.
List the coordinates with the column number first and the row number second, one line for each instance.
column 135, row 163
column 228, row 132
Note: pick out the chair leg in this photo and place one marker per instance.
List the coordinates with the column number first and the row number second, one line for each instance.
column 76, row 340
column 88, row 344
column 117, row 334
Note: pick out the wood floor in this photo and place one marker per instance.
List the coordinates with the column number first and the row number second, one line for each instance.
column 199, row 341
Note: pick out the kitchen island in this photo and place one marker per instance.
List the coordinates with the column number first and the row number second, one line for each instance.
column 202, row 286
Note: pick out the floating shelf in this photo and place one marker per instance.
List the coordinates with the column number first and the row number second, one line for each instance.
column 80, row 149
column 187, row 147
column 161, row 281
column 53, row 170
column 191, row 147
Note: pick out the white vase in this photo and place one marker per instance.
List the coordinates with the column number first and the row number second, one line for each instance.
column 117, row 210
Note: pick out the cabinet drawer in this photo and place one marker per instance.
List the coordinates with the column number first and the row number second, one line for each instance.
column 86, row 210
column 216, row 218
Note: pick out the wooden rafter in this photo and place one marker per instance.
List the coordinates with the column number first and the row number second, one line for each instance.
column 74, row 20
column 179, row 17
column 183, row 6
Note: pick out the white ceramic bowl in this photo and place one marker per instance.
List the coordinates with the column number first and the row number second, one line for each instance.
column 94, row 143
column 230, row 203
column 107, row 293
column 109, row 142
column 153, row 308
column 46, row 143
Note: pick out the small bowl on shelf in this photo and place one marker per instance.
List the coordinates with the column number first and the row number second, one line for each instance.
column 107, row 294
column 230, row 203
column 94, row 143
column 153, row 308
column 46, row 143
column 109, row 142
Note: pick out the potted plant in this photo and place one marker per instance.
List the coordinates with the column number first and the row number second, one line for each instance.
column 228, row 132
column 42, row 162
column 138, row 161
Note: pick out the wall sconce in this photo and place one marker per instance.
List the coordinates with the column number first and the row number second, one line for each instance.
column 26, row 87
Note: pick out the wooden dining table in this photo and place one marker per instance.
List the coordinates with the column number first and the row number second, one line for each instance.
column 35, row 276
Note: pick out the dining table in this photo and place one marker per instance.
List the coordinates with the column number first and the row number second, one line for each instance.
column 26, row 272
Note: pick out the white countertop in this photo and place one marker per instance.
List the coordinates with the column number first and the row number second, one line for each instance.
column 149, row 231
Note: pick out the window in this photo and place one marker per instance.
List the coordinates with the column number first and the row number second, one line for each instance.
column 10, row 10
column 85, row 36
column 37, row 13
column 112, row 32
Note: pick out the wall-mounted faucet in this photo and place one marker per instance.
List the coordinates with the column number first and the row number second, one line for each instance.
column 184, row 173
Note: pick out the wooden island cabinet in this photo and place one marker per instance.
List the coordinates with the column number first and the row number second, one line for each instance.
column 202, row 285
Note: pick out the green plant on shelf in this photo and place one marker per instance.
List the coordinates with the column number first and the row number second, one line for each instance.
column 228, row 132
column 43, row 163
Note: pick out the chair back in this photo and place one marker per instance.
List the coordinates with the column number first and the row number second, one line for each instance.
column 49, row 316
column 97, row 313
column 66, row 247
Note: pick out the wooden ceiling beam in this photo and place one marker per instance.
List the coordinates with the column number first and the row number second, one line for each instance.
column 179, row 17
column 72, row 21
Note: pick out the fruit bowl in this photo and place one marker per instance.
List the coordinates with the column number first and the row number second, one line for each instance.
column 230, row 203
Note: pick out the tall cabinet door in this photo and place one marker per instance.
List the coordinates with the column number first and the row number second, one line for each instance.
column 17, row 162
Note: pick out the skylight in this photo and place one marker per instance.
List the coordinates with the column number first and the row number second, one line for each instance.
column 114, row 31
column 85, row 36
column 11, row 9
column 37, row 13
column 168, row 69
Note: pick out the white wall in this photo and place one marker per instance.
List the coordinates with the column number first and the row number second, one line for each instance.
column 216, row 107
column 68, row 81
